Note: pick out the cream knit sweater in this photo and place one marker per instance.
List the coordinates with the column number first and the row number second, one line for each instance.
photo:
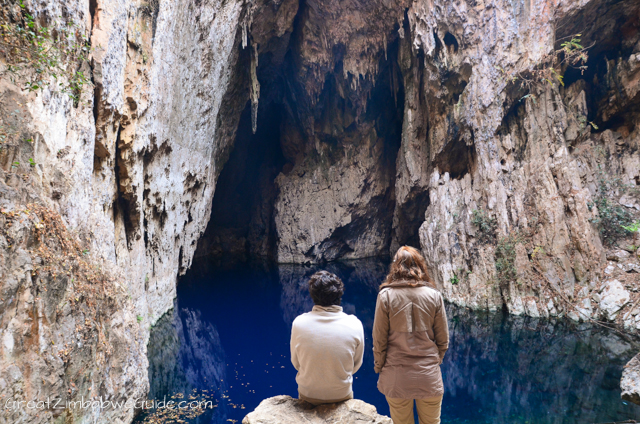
column 326, row 348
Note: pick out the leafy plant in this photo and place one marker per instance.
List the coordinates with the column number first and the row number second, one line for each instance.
column 506, row 259
column 41, row 55
column 551, row 68
column 486, row 225
column 633, row 228
column 139, row 318
column 613, row 221
column 32, row 162
column 454, row 280
column 538, row 250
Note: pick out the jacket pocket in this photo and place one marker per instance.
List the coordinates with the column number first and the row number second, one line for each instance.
column 402, row 319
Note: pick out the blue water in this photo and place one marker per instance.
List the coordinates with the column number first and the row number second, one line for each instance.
column 229, row 332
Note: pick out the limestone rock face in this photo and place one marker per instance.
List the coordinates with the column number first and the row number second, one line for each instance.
column 534, row 168
column 614, row 298
column 630, row 383
column 130, row 169
column 328, row 211
column 285, row 409
column 400, row 123
column 69, row 329
column 473, row 135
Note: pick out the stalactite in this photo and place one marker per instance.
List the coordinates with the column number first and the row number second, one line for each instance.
column 255, row 88
column 244, row 34
column 246, row 23
column 385, row 45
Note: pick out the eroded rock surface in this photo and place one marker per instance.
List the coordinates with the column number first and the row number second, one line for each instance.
column 614, row 298
column 433, row 129
column 285, row 409
column 630, row 383
column 398, row 123
column 129, row 168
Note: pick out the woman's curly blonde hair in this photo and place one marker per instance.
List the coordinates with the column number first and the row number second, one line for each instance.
column 408, row 265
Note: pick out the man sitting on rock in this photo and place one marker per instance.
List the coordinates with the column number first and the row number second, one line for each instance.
column 326, row 344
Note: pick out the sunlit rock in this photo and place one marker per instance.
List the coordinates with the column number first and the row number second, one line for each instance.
column 614, row 298
column 285, row 409
column 630, row 383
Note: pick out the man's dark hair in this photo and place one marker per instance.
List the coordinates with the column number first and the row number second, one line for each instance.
column 326, row 289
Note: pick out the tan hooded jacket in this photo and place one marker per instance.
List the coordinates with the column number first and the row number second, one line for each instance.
column 410, row 338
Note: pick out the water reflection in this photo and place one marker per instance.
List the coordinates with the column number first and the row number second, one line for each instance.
column 233, row 327
column 360, row 277
column 513, row 369
column 185, row 353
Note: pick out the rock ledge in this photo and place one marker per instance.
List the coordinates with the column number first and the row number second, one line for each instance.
column 630, row 383
column 284, row 409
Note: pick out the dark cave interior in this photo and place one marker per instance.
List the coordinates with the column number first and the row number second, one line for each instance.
column 610, row 39
column 609, row 32
column 293, row 125
column 242, row 227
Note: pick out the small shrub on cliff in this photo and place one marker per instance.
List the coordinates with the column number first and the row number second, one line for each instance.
column 613, row 219
column 40, row 55
column 551, row 68
column 633, row 228
column 486, row 226
column 88, row 290
column 506, row 259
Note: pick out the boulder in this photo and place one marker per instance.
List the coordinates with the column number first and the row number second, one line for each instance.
column 618, row 255
column 614, row 298
column 285, row 409
column 630, row 383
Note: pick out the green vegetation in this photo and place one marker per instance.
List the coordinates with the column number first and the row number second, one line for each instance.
column 506, row 259
column 486, row 225
column 633, row 228
column 551, row 68
column 538, row 250
column 454, row 280
column 613, row 220
column 583, row 121
column 139, row 318
column 43, row 56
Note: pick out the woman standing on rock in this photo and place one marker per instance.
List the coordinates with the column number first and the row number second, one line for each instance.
column 410, row 338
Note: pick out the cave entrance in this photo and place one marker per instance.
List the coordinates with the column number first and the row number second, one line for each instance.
column 347, row 125
column 609, row 31
column 611, row 36
column 241, row 224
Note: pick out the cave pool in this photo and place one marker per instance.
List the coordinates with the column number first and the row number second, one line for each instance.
column 230, row 327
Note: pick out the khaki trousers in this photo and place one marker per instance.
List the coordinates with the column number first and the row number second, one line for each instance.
column 428, row 410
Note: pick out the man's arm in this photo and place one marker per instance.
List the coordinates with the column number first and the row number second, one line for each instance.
column 293, row 343
column 359, row 353
column 380, row 333
column 441, row 330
